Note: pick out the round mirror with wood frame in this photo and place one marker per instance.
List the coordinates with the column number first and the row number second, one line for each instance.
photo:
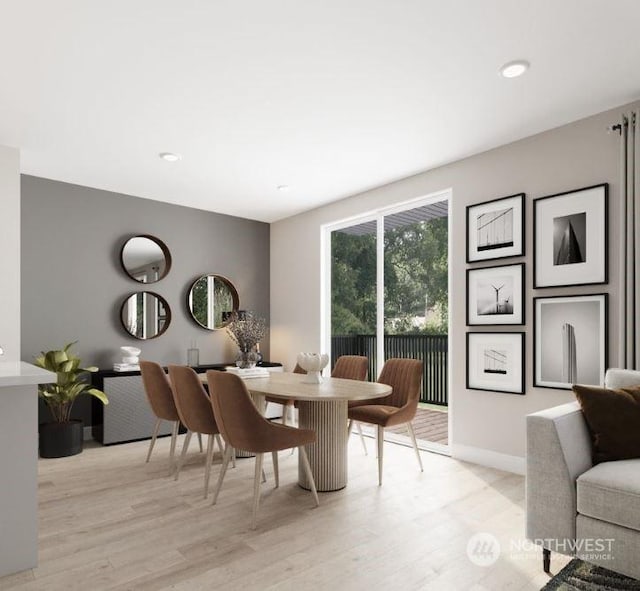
column 211, row 300
column 145, row 315
column 145, row 258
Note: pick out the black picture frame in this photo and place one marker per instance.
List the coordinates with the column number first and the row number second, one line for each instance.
column 594, row 221
column 518, row 383
column 495, row 252
column 603, row 327
column 518, row 290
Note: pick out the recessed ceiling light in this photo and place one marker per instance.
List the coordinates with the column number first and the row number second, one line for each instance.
column 283, row 187
column 170, row 156
column 514, row 69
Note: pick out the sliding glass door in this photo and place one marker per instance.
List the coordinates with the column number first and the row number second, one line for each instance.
column 388, row 297
column 354, row 304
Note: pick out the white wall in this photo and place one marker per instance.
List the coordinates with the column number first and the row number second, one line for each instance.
column 487, row 427
column 10, row 253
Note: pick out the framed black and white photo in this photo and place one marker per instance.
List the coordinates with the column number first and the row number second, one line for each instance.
column 570, row 340
column 495, row 361
column 570, row 238
column 495, row 229
column 495, row 295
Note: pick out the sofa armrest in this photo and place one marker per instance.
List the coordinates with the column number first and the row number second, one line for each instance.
column 558, row 451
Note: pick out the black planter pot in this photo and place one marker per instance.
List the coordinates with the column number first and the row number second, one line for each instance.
column 58, row 440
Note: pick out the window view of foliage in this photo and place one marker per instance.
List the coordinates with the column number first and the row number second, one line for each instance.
column 415, row 273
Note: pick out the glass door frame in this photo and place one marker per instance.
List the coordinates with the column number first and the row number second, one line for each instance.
column 325, row 280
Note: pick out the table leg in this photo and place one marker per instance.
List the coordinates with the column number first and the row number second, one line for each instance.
column 328, row 455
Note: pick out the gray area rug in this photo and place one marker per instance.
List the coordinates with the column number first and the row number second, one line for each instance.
column 582, row 576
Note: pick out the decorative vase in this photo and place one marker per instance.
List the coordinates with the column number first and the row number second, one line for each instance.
column 247, row 359
column 313, row 363
column 59, row 440
column 193, row 357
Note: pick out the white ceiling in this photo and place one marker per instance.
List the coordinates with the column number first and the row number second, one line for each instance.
column 330, row 97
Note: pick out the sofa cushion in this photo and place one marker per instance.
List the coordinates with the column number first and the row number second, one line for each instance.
column 611, row 492
column 613, row 418
column 621, row 378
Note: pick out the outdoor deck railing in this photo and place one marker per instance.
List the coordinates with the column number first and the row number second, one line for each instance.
column 432, row 349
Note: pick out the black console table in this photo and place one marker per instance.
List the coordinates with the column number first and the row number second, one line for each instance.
column 128, row 416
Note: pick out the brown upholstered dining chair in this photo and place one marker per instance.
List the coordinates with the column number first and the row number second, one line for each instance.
column 158, row 391
column 287, row 405
column 196, row 414
column 352, row 367
column 399, row 407
column 243, row 427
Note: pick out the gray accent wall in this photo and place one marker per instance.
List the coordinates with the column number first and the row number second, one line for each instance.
column 73, row 285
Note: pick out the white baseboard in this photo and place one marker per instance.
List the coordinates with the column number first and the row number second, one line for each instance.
column 489, row 458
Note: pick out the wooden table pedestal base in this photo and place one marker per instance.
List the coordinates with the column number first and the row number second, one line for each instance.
column 328, row 455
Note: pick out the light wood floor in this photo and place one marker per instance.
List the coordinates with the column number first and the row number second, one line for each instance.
column 108, row 521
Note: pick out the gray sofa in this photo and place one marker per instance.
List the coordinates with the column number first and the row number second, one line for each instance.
column 574, row 507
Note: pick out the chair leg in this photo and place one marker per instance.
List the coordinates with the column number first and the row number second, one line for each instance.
column 274, row 455
column 185, row 447
column 172, row 450
column 256, row 489
column 223, row 470
column 207, row 468
column 415, row 444
column 380, row 439
column 264, row 476
column 307, row 469
column 219, row 442
column 364, row 445
column 375, row 436
column 233, row 457
column 546, row 560
column 285, row 412
column 200, row 441
column 156, row 428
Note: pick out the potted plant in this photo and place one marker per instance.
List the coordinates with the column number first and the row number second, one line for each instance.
column 63, row 437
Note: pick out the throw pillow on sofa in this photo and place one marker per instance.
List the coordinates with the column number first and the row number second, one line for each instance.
column 613, row 418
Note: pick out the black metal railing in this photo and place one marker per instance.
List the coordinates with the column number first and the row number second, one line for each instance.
column 432, row 349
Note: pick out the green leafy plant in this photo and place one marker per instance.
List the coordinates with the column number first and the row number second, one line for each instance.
column 71, row 383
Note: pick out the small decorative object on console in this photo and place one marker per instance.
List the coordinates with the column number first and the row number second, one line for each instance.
column 313, row 363
column 250, row 372
column 193, row 355
column 130, row 359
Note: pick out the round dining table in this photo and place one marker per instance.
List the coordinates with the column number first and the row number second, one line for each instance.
column 323, row 409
